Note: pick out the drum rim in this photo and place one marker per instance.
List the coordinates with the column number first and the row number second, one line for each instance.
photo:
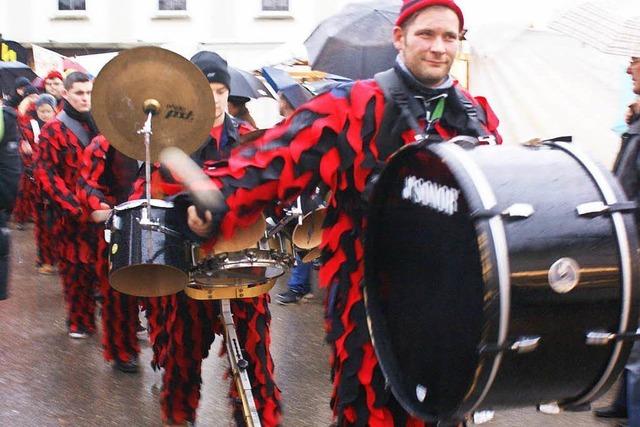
column 131, row 204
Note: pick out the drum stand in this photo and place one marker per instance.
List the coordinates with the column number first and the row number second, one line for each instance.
column 239, row 366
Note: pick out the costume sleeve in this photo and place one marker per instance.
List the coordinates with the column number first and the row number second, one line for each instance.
column 89, row 191
column 52, row 155
column 325, row 140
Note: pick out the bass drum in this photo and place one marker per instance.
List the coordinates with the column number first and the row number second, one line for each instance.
column 499, row 276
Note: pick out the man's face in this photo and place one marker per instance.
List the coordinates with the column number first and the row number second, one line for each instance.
column 221, row 95
column 54, row 87
column 634, row 71
column 45, row 112
column 79, row 96
column 428, row 44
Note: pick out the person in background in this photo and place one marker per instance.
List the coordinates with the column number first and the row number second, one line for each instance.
column 54, row 86
column 10, row 170
column 45, row 110
column 237, row 107
column 18, row 93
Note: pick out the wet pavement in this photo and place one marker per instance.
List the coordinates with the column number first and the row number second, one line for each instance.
column 47, row 379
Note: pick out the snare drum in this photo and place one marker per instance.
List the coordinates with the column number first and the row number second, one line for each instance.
column 499, row 276
column 252, row 264
column 149, row 258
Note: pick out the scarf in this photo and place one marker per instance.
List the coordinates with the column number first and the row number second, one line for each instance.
column 85, row 118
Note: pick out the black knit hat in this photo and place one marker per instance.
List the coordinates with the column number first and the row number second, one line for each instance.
column 21, row 82
column 213, row 66
column 29, row 90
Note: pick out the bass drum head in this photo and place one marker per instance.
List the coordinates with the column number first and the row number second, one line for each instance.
column 424, row 285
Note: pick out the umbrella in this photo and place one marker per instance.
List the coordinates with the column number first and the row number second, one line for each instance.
column 246, row 85
column 604, row 25
column 356, row 42
column 10, row 71
column 282, row 82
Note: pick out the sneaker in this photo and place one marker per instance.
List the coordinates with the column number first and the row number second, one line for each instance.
column 292, row 297
column 78, row 332
column 128, row 367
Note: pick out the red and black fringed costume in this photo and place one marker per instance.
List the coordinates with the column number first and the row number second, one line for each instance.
column 190, row 325
column 43, row 213
column 24, row 209
column 339, row 139
column 107, row 176
column 57, row 170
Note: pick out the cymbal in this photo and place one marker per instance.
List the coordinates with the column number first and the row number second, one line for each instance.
column 134, row 79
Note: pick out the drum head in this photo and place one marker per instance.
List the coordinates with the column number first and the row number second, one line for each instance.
column 424, row 284
column 148, row 280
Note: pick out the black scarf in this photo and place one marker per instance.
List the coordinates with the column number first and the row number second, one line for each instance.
column 84, row 118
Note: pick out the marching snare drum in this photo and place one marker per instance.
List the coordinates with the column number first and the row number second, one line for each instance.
column 147, row 258
column 247, row 258
column 499, row 276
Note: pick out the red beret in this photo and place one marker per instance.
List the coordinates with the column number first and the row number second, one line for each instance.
column 409, row 7
column 53, row 74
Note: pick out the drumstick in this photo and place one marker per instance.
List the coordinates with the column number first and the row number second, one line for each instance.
column 205, row 194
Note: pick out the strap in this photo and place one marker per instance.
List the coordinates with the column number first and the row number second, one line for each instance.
column 229, row 292
column 396, row 92
column 75, row 127
column 36, row 130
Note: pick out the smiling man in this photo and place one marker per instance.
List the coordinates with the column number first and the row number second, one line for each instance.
column 341, row 139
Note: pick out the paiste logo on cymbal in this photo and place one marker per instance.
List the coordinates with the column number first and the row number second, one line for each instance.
column 178, row 112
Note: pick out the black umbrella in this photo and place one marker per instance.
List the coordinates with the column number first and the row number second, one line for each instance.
column 246, row 85
column 10, row 71
column 356, row 42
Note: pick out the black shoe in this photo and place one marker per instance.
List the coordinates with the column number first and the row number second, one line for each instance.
column 292, row 297
column 129, row 367
column 610, row 412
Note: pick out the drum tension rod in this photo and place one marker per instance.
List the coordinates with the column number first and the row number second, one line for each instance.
column 593, row 209
column 604, row 338
column 515, row 211
column 524, row 344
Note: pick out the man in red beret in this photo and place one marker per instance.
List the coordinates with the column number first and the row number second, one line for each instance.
column 341, row 139
column 54, row 85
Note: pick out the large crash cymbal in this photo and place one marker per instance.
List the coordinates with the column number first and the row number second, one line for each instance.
column 135, row 77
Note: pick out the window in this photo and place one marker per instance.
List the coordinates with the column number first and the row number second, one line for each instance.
column 71, row 5
column 172, row 4
column 275, row 5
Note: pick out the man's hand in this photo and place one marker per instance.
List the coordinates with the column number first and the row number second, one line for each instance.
column 102, row 214
column 196, row 224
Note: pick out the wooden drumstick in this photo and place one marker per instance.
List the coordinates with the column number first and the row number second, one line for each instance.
column 205, row 194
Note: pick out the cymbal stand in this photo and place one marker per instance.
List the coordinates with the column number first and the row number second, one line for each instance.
column 239, row 367
column 146, row 131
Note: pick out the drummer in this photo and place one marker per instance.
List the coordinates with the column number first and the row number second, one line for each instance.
column 341, row 138
column 186, row 347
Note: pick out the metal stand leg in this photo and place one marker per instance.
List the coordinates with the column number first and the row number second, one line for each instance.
column 239, row 367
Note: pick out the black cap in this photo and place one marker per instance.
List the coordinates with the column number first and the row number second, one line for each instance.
column 213, row 66
column 29, row 90
column 21, row 82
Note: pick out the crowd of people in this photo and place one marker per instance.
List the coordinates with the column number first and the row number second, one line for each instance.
column 337, row 141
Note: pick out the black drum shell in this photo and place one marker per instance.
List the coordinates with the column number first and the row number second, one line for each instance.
column 147, row 261
column 428, row 326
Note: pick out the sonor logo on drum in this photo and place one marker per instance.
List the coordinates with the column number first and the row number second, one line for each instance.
column 430, row 194
column 178, row 112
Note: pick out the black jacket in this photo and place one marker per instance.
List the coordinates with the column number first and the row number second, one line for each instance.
column 10, row 163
